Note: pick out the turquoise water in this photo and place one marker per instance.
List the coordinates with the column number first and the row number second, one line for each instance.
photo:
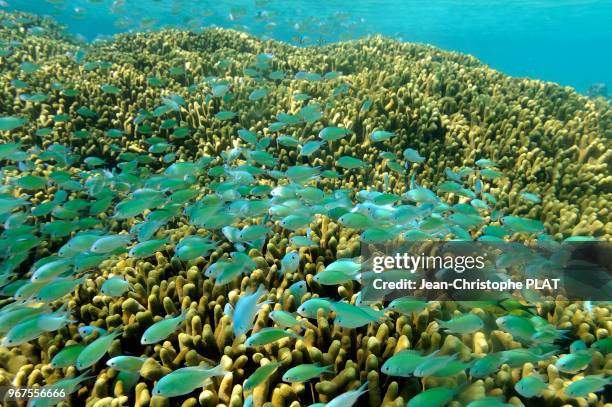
column 562, row 41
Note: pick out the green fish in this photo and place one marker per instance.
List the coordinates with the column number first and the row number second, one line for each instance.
column 519, row 327
column 352, row 316
column 287, row 141
column 333, row 277
column 295, row 222
column 29, row 67
column 486, row 163
column 378, row 235
column 162, row 329
column 109, row 243
column 225, row 115
column 574, row 362
column 86, row 112
column 258, row 94
column 523, row 225
column 11, row 123
column 113, row 90
column 11, row 316
column 351, row 163
column 587, row 385
column 300, row 174
column 126, row 363
column 116, row 286
column 185, row 380
column 58, row 288
column 407, row 306
column 381, row 135
column 248, row 136
column 311, row 307
column 403, row 363
column 285, row 319
column 300, row 97
column 530, row 386
column 23, row 332
column 147, row 248
column 253, row 232
column 306, row 372
column 67, row 356
column 486, row 366
column 603, row 345
column 268, row 335
column 330, row 134
column 518, row 357
column 489, row 402
column 260, row 375
column 348, row 398
column 366, row 105
column 435, row 397
column 528, row 196
column 96, row 350
column 356, row 220
column 432, row 364
column 463, row 324
column 246, row 310
column 63, row 388
column 413, row 156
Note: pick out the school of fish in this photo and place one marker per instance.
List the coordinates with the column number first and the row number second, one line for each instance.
column 77, row 227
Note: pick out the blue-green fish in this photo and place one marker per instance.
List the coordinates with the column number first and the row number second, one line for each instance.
column 310, row 148
column 106, row 244
column 486, row 366
column 162, row 329
column 463, row 324
column 268, row 335
column 96, row 350
column 290, row 262
column 574, row 362
column 587, row 385
column 348, row 398
column 434, row 397
column 246, row 310
column 260, row 375
column 311, row 307
column 403, row 363
column 330, row 134
column 126, row 363
column 116, row 286
column 413, row 156
column 531, row 386
column 67, row 356
column 352, row 316
column 185, row 380
column 305, row 372
column 381, row 135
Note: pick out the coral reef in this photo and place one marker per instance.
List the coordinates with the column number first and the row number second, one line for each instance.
column 103, row 101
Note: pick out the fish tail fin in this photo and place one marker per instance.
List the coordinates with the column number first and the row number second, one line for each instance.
column 84, row 376
column 547, row 355
column 260, row 289
column 261, row 304
column 441, row 323
column 328, row 369
column 219, row 370
column 363, row 388
column 117, row 332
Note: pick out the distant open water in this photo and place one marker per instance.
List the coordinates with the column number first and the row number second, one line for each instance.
column 569, row 42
